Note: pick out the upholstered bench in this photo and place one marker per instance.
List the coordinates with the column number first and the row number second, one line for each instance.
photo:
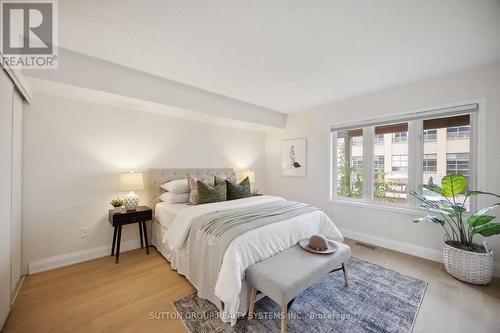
column 286, row 275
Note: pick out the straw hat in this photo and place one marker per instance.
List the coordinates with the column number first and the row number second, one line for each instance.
column 318, row 244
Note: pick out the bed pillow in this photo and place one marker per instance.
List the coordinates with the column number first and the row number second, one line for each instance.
column 238, row 191
column 208, row 193
column 193, row 188
column 174, row 197
column 218, row 179
column 176, row 186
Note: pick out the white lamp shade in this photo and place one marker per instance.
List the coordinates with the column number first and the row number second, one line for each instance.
column 249, row 174
column 131, row 181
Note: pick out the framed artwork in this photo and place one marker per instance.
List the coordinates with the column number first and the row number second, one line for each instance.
column 293, row 157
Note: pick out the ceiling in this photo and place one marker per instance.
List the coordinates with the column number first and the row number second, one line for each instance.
column 286, row 55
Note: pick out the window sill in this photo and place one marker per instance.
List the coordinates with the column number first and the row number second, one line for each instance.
column 389, row 208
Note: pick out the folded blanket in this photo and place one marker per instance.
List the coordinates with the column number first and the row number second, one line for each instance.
column 216, row 224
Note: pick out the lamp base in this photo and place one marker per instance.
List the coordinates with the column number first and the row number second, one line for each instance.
column 131, row 201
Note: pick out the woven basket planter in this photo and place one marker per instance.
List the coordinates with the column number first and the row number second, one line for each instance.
column 467, row 266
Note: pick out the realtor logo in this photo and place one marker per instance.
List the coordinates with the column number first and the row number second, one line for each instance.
column 29, row 34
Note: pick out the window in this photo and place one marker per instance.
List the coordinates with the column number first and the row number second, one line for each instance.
column 430, row 163
column 457, row 163
column 350, row 163
column 357, row 164
column 389, row 184
column 403, row 155
column 357, row 141
column 401, row 137
column 379, row 139
column 452, row 156
column 378, row 166
column 430, row 135
column 399, row 163
column 459, row 132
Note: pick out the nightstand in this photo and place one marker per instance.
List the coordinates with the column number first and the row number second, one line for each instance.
column 140, row 216
column 257, row 194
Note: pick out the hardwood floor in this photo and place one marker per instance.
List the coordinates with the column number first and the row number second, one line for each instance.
column 99, row 296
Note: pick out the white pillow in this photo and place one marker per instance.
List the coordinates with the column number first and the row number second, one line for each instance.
column 174, row 197
column 176, row 186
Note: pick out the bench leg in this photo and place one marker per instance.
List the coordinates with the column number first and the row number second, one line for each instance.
column 284, row 314
column 251, row 305
column 346, row 277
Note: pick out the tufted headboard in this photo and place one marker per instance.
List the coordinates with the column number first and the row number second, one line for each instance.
column 156, row 177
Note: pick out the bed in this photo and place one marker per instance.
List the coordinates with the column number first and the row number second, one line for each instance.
column 217, row 271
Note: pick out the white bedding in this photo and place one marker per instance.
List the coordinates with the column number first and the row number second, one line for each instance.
column 248, row 248
column 165, row 212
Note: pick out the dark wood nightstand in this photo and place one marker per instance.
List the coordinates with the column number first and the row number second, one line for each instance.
column 117, row 220
column 257, row 194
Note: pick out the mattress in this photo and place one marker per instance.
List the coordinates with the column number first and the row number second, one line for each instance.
column 165, row 212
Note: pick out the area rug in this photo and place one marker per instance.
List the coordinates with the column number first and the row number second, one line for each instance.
column 377, row 300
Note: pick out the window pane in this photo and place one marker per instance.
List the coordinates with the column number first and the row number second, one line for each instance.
column 448, row 154
column 350, row 163
column 400, row 137
column 430, row 163
column 378, row 165
column 459, row 132
column 390, row 163
column 430, row 135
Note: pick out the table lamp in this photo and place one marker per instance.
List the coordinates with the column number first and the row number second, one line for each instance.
column 131, row 181
column 251, row 177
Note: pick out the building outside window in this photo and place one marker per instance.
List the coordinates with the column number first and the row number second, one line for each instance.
column 399, row 163
column 457, row 163
column 430, row 163
column 430, row 135
column 357, row 164
column 450, row 156
column 401, row 137
column 379, row 139
column 357, row 141
column 349, row 163
column 378, row 165
column 458, row 132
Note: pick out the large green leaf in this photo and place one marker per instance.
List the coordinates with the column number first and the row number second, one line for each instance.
column 471, row 193
column 453, row 184
column 486, row 209
column 487, row 230
column 477, row 220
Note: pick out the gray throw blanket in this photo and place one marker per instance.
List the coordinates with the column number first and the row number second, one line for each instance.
column 211, row 234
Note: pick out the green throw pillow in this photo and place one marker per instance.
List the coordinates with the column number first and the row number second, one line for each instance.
column 208, row 193
column 238, row 191
column 218, row 180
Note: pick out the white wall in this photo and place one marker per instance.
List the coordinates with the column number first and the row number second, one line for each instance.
column 17, row 178
column 389, row 228
column 74, row 151
column 6, row 94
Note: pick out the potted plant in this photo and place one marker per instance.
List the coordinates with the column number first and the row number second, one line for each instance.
column 463, row 259
column 117, row 204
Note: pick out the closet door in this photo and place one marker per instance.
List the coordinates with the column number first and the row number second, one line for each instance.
column 6, row 93
column 17, row 136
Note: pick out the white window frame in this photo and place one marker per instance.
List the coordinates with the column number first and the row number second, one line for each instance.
column 415, row 153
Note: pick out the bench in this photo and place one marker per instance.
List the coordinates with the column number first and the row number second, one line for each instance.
column 286, row 275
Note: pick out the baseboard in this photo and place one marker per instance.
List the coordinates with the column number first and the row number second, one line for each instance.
column 102, row 251
column 71, row 258
column 414, row 250
column 16, row 290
